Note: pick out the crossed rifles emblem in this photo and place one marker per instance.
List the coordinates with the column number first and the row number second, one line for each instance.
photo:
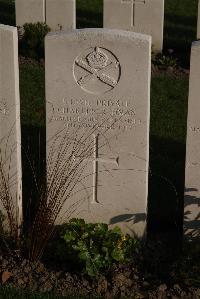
column 96, row 63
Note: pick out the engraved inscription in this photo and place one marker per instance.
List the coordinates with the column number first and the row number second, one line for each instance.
column 133, row 4
column 97, row 70
column 97, row 158
column 195, row 129
column 3, row 108
column 105, row 113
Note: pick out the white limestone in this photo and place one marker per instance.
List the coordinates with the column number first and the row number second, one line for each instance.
column 61, row 14
column 192, row 181
column 143, row 16
column 98, row 94
column 29, row 11
column 10, row 136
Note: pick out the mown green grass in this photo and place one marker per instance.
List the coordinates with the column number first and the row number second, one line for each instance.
column 180, row 27
column 169, row 107
column 7, row 12
column 89, row 13
column 169, row 98
column 32, row 92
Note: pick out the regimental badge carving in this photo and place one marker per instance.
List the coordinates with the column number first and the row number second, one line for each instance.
column 97, row 70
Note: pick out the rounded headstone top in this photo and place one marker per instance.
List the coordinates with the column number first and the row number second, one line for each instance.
column 113, row 34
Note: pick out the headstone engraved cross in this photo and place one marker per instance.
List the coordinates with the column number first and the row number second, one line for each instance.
column 133, row 4
column 142, row 16
column 96, row 159
column 100, row 128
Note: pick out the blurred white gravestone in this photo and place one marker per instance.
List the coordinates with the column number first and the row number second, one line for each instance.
column 98, row 102
column 198, row 21
column 10, row 133
column 61, row 14
column 192, row 176
column 57, row 14
column 143, row 16
column 29, row 11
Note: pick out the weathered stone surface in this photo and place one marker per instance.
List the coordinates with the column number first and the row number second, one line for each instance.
column 29, row 11
column 61, row 15
column 198, row 22
column 10, row 136
column 143, row 16
column 192, row 181
column 98, row 94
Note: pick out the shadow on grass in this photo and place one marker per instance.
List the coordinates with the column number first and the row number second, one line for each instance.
column 7, row 12
column 89, row 19
column 179, row 33
column 183, row 21
column 89, row 13
column 166, row 185
column 33, row 169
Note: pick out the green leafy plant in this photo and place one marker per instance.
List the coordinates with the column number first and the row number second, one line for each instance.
column 96, row 247
column 32, row 42
column 165, row 61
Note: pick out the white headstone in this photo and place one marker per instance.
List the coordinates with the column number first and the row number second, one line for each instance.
column 143, row 16
column 29, row 11
column 98, row 98
column 10, row 134
column 198, row 22
column 192, row 177
column 61, row 14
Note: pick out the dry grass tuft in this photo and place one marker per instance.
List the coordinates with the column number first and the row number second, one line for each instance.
column 67, row 158
column 8, row 205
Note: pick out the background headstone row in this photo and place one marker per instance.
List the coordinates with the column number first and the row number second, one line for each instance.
column 142, row 16
column 58, row 15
